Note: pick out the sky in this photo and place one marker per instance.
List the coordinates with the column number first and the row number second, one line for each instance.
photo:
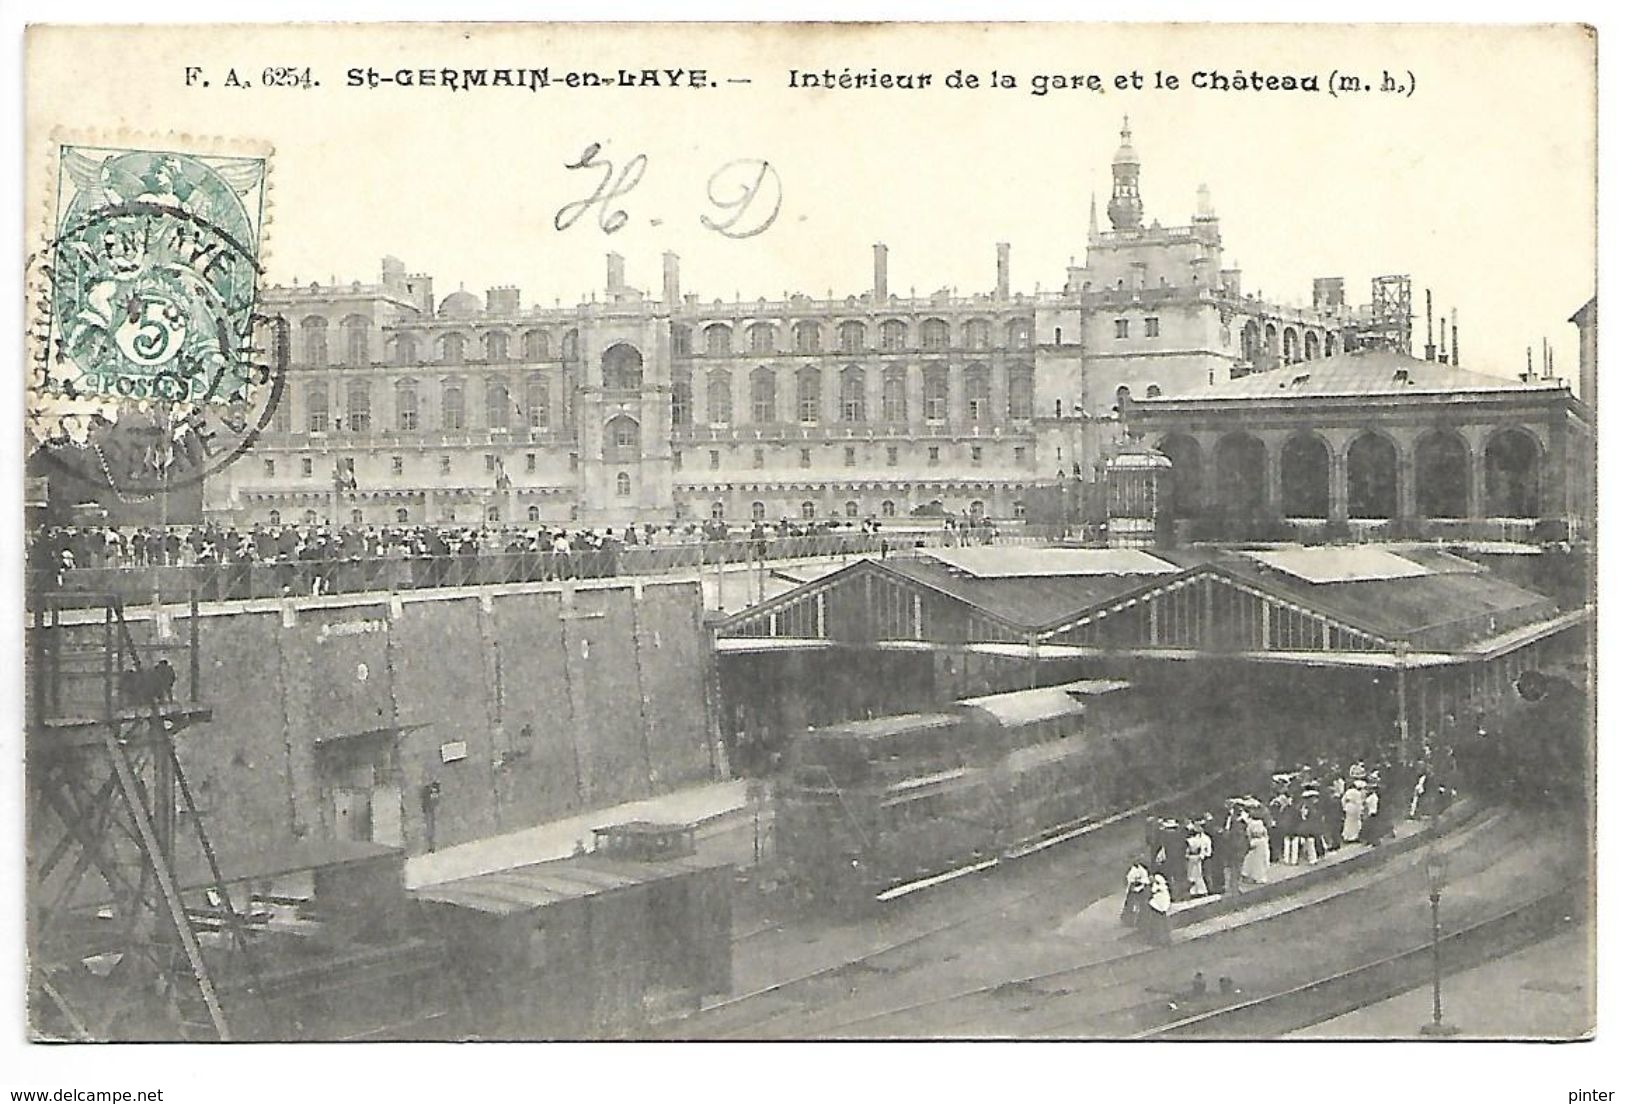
column 1479, row 184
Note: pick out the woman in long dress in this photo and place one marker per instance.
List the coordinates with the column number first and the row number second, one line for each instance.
column 1255, row 867
column 1198, row 849
column 1156, row 923
column 1353, row 813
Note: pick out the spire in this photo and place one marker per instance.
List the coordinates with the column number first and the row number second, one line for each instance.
column 1204, row 202
column 1124, row 209
column 1094, row 218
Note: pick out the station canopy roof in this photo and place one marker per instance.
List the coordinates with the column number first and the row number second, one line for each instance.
column 1043, row 703
column 1362, row 373
column 527, row 888
column 989, row 562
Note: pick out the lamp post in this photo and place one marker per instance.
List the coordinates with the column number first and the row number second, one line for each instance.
column 1436, row 871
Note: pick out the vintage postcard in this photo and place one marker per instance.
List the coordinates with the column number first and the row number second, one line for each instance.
column 809, row 532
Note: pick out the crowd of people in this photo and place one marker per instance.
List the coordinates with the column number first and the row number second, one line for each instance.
column 1312, row 811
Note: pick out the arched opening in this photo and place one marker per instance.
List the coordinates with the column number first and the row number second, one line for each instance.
column 934, row 334
column 1311, row 345
column 1373, row 474
column 1512, row 475
column 853, row 405
column 758, row 511
column 977, row 508
column 623, row 368
column 808, row 511
column 533, row 513
column 497, row 404
column 719, row 339
column 313, row 334
column 622, row 436
column 623, row 485
column 1239, row 464
column 852, row 337
column 357, row 340
column 403, row 515
column 1123, row 396
column 1272, row 344
column 275, row 517
column 452, row 413
column 851, row 509
column 719, row 398
column 1289, row 345
column 1305, row 477
column 406, row 405
column 809, row 394
column 1251, row 342
column 760, row 337
column 1186, row 456
column 809, row 338
column 888, row 508
column 764, row 395
column 894, row 396
column 717, row 511
column 1442, row 475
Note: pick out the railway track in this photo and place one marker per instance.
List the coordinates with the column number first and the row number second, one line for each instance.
column 1278, row 1014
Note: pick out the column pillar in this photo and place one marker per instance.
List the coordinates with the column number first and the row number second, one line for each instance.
column 1405, row 471
column 1338, row 489
column 1272, row 478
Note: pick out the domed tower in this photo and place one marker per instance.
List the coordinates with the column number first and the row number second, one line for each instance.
column 1125, row 209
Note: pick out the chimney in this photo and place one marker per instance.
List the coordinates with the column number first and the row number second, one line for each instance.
column 1528, row 364
column 1444, row 345
column 617, row 273
column 880, row 273
column 1428, row 349
column 1455, row 342
column 671, row 286
column 1002, row 288
column 1545, row 359
column 502, row 300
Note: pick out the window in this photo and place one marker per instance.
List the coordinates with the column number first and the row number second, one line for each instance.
column 623, row 485
column 1021, row 393
column 936, row 394
column 275, row 517
column 978, row 334
column 977, row 509
column 497, row 404
column 1122, row 328
column 537, row 413
column 849, row 456
column 853, row 406
column 676, row 461
column 934, row 333
column 891, row 456
column 719, row 398
column 572, row 345
column 530, row 463
column 719, row 339
column 888, row 508
column 716, row 459
column 852, row 337
column 451, row 349
column 313, row 335
column 622, row 367
column 451, row 406
column 894, row 396
column 682, row 340
column 806, row 458
column 537, row 345
column 682, row 402
column 357, row 341
column 406, row 405
column 1057, row 335
column 356, row 517
column 758, row 511
column 533, row 513
column 851, row 509
column 445, row 465
column 490, row 462
column 808, row 511
column 1152, row 391
column 358, row 400
column 761, row 337
column 764, row 395
column 316, row 407
column 893, row 335
column 717, row 512
column 270, row 469
column 282, row 415
column 976, row 456
column 1018, row 334
column 406, row 350
column 809, row 394
column 808, row 338
column 1020, row 509
column 493, row 513
column 306, row 467
column 1021, row 454
column 1153, row 327
column 758, row 458
column 397, row 465
column 310, row 517
column 933, row 455
column 575, row 463
column 625, row 435
column 978, row 407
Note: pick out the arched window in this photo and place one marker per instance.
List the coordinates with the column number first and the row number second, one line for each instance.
column 977, row 509
column 316, row 408
column 719, row 398
column 357, row 341
column 1251, row 343
column 537, row 345
column 888, row 508
column 761, row 337
column 357, row 517
column 893, row 335
column 493, row 514
column 763, row 395
column 809, row 394
column 978, row 405
column 1152, row 391
column 1021, row 393
column 1272, row 343
column 406, row 350
column 451, row 348
column 623, row 435
column 358, row 404
column 851, row 509
column 406, row 405
column 1311, row 345
column 717, row 511
column 537, row 414
column 572, row 345
column 533, row 513
column 936, row 393
column 313, row 340
column 852, row 336
column 1289, row 345
column 1186, row 456
column 853, row 403
column 1018, row 334
column 682, row 340
column 808, row 337
column 978, row 334
column 623, row 485
column 1373, row 477
column 1240, row 462
column 1512, row 475
column 403, row 515
column 1019, row 509
column 808, row 511
column 452, row 415
column 934, row 334
column 275, row 517
column 496, row 346
column 758, row 511
column 1441, row 475
column 623, row 367
column 497, row 404
column 682, row 401
column 1124, row 396
column 1305, row 468
column 719, row 339
column 894, row 396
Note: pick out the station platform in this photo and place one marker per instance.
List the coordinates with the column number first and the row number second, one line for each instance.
column 710, row 807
